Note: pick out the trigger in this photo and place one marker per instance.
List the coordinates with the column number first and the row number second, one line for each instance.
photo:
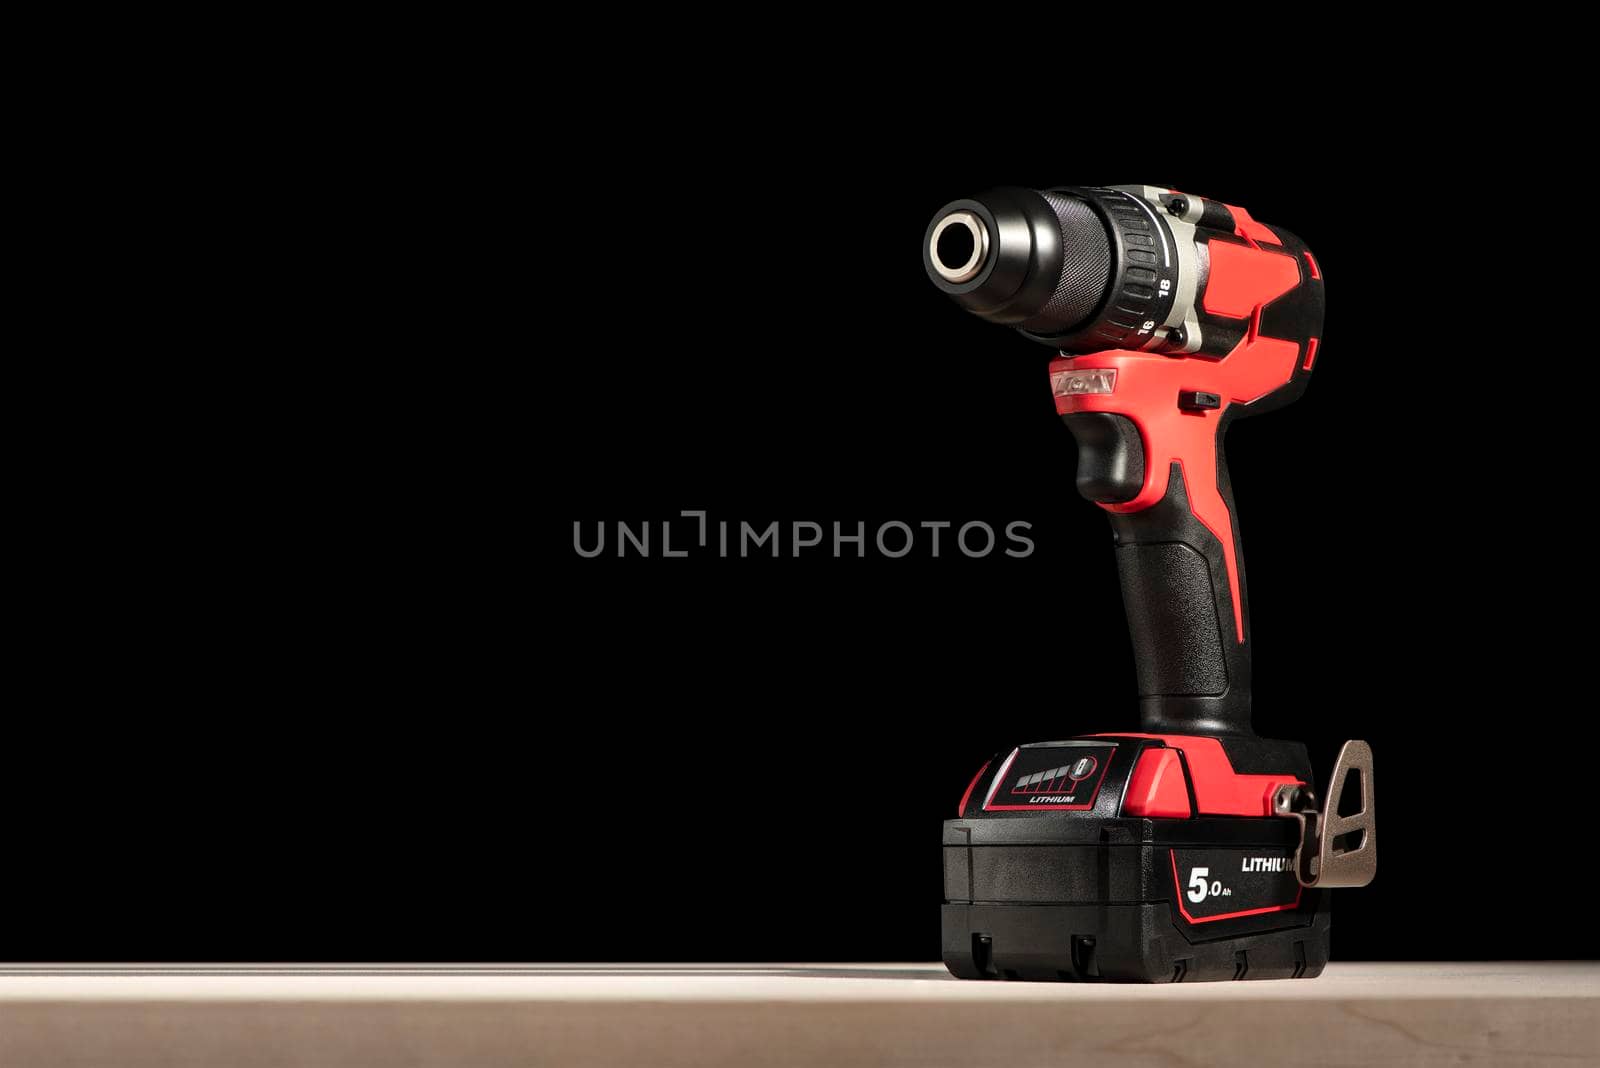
column 1110, row 456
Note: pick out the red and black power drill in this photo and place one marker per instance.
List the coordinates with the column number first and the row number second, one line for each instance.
column 1192, row 849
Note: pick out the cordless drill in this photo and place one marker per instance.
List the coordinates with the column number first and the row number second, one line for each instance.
column 1192, row 849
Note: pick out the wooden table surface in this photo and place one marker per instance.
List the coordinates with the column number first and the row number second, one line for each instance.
column 749, row 1015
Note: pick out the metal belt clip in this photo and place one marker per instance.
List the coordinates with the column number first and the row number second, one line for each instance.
column 1334, row 850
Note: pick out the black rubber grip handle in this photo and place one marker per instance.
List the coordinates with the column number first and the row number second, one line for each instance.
column 1194, row 672
column 1193, row 669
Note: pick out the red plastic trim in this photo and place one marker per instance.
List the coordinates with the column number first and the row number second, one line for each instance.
column 1218, row 789
column 1146, row 392
column 1250, row 230
column 1244, row 278
column 1156, row 789
column 1311, row 353
column 1316, row 272
column 961, row 809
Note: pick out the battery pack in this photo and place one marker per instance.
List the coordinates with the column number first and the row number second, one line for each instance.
column 1107, row 858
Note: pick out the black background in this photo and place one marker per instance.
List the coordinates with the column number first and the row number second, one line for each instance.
column 327, row 680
